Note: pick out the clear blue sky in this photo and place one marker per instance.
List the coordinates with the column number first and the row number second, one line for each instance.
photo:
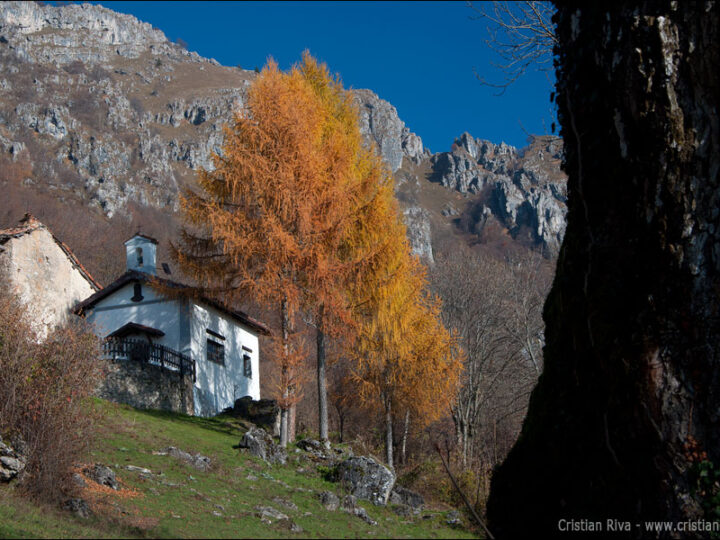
column 417, row 55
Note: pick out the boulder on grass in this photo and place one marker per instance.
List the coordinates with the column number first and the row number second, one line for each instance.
column 260, row 444
column 349, row 504
column 264, row 413
column 269, row 514
column 100, row 474
column 366, row 479
column 200, row 462
column 316, row 448
column 407, row 497
column 329, row 500
column 79, row 507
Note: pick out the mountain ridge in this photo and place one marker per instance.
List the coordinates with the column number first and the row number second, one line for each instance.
column 109, row 113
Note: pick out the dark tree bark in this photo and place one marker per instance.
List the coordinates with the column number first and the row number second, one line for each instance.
column 632, row 355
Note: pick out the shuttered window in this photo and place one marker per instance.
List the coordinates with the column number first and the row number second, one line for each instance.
column 215, row 352
column 247, row 366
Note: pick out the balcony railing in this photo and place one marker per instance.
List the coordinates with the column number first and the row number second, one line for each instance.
column 140, row 350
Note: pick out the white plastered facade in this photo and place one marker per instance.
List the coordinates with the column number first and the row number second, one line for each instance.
column 185, row 323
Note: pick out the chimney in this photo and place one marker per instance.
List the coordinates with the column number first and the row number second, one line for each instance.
column 140, row 252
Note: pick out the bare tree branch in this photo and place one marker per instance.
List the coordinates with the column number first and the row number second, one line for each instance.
column 522, row 34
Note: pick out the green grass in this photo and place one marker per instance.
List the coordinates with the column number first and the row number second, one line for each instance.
column 177, row 500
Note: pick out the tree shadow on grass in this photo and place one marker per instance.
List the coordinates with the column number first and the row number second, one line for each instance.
column 219, row 424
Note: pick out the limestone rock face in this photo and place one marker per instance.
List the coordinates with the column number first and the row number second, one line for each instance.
column 418, row 231
column 522, row 189
column 381, row 125
column 114, row 116
column 113, row 33
column 115, row 112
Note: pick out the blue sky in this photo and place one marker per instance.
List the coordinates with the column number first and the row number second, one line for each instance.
column 417, row 55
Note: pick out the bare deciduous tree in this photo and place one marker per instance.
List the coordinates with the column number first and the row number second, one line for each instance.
column 496, row 307
column 530, row 279
column 522, row 34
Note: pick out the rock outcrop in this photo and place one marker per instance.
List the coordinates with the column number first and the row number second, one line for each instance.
column 101, row 474
column 198, row 461
column 261, row 445
column 419, row 232
column 79, row 507
column 116, row 112
column 407, row 497
column 381, row 125
column 264, row 413
column 13, row 459
column 111, row 115
column 521, row 189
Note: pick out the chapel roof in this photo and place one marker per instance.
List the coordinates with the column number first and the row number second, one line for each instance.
column 172, row 287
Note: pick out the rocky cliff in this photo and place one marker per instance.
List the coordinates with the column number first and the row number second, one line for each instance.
column 107, row 112
column 521, row 188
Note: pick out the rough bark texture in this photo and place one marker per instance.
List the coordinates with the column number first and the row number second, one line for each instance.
column 632, row 357
column 322, row 386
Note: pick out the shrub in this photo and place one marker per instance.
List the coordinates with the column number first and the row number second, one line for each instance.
column 98, row 73
column 137, row 106
column 43, row 391
column 75, row 67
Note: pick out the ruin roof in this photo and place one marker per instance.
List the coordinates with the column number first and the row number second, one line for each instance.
column 29, row 224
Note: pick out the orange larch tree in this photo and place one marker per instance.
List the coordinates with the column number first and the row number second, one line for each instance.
column 357, row 180
column 405, row 359
column 274, row 219
column 251, row 228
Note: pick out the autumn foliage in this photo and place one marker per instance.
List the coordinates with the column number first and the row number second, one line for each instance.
column 405, row 361
column 299, row 214
column 43, row 391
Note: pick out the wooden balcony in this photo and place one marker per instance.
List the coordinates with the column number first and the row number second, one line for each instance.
column 141, row 350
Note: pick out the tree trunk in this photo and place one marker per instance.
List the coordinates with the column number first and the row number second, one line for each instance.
column 465, row 443
column 283, row 427
column 406, row 429
column 292, row 422
column 321, row 381
column 388, row 434
column 632, row 361
column 285, row 324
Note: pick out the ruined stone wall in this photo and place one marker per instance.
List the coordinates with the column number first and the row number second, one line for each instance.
column 35, row 268
column 146, row 387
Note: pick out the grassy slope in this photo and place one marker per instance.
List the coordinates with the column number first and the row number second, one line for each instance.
column 179, row 501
